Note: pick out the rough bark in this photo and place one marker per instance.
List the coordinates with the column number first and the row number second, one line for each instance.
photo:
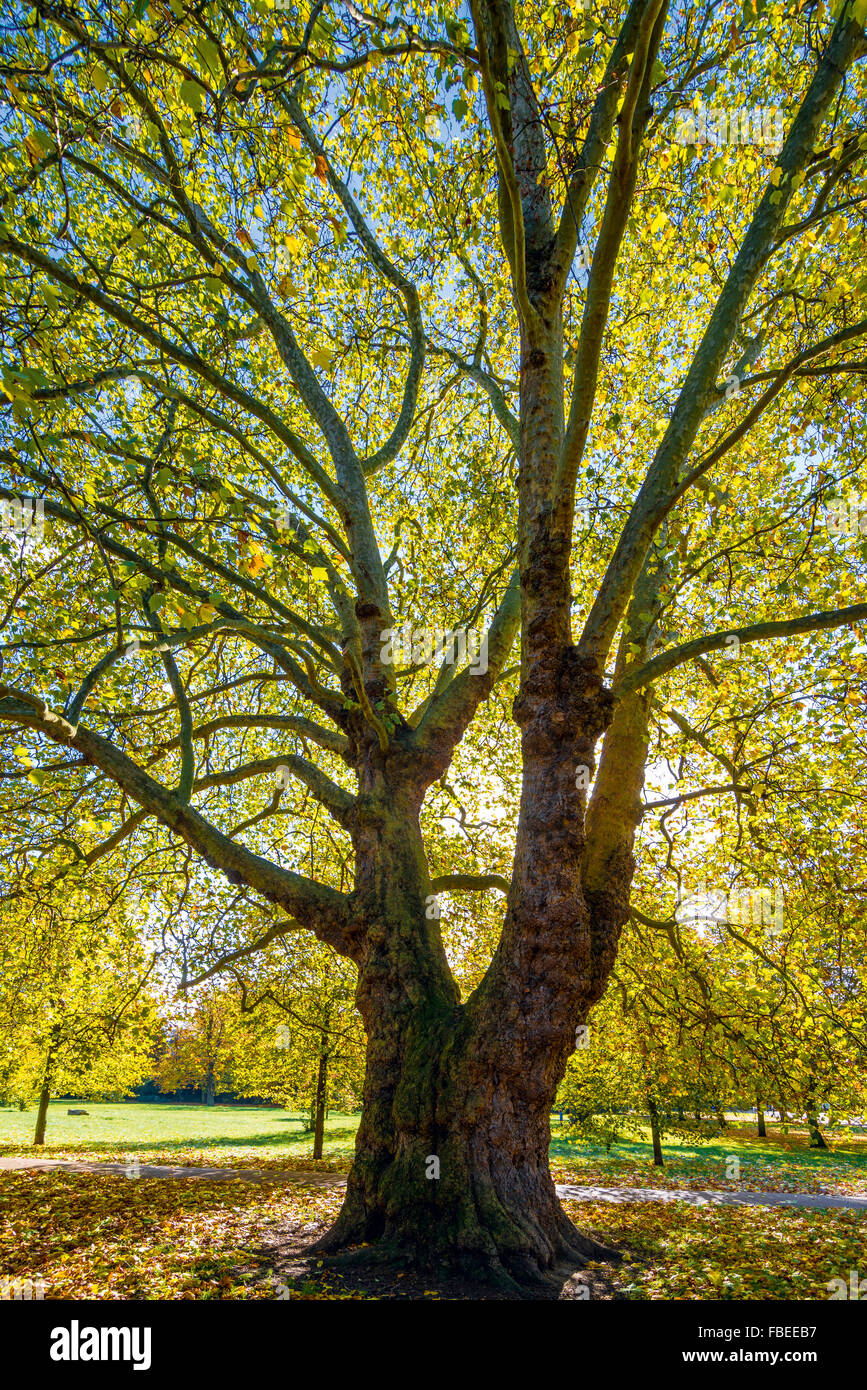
column 451, row 1164
column 760, row 1113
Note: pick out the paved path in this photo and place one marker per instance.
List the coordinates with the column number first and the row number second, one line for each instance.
column 164, row 1170
column 304, row 1177
column 814, row 1200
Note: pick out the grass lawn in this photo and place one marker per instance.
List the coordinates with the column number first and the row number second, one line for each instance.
column 239, row 1136
column 780, row 1163
column 265, row 1137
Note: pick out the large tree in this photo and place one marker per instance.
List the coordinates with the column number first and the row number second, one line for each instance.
column 273, row 306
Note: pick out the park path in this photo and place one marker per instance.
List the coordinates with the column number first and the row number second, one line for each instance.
column 572, row 1192
column 815, row 1200
column 303, row 1177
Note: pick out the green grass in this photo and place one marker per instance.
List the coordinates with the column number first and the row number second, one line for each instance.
column 263, row 1137
column 781, row 1162
column 258, row 1135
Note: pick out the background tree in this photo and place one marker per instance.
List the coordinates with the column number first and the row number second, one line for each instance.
column 199, row 1045
column 302, row 1044
column 77, row 1002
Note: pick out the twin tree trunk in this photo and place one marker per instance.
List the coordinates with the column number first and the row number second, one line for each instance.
column 452, row 1154
column 451, row 1163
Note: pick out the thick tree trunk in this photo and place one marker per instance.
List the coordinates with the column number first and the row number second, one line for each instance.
column 319, row 1105
column 208, row 1090
column 451, row 1162
column 760, row 1113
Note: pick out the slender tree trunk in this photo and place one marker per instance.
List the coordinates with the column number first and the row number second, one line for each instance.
column 760, row 1113
column 45, row 1092
column 817, row 1139
column 319, row 1122
column 208, row 1090
column 655, row 1136
column 722, row 1123
column 42, row 1112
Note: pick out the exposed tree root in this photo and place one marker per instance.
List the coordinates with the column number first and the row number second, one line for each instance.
column 524, row 1260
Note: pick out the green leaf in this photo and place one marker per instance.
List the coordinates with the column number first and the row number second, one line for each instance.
column 192, row 94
